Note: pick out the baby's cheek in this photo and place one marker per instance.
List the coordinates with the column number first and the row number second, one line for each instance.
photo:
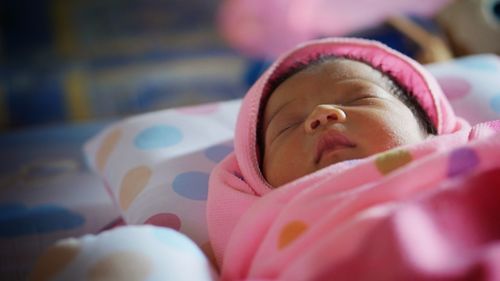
column 395, row 130
column 282, row 166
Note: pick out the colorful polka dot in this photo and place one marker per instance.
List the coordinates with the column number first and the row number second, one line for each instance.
column 218, row 152
column 392, row 160
column 134, row 181
column 165, row 219
column 495, row 103
column 107, row 145
column 454, row 87
column 200, row 109
column 192, row 185
column 55, row 259
column 159, row 136
column 462, row 160
column 290, row 232
column 122, row 266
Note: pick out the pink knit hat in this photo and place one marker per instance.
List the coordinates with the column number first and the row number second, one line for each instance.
column 407, row 72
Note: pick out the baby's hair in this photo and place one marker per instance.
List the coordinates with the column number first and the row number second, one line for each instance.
column 403, row 94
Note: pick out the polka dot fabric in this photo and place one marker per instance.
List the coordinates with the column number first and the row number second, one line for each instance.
column 472, row 85
column 157, row 165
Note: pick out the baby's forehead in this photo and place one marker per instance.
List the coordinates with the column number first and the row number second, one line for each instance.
column 342, row 68
column 331, row 71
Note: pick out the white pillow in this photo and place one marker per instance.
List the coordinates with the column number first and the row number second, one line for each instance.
column 156, row 166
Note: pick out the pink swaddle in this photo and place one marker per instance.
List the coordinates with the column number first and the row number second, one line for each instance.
column 323, row 224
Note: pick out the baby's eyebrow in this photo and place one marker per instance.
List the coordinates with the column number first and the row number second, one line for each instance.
column 278, row 111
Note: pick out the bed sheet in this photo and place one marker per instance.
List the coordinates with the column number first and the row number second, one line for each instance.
column 47, row 193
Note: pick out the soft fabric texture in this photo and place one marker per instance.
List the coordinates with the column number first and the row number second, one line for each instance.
column 155, row 166
column 336, row 221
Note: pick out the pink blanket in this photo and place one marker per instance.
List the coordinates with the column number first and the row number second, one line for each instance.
column 429, row 211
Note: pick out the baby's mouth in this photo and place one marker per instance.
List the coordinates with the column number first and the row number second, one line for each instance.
column 331, row 141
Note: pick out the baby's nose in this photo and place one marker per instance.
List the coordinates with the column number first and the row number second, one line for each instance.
column 323, row 114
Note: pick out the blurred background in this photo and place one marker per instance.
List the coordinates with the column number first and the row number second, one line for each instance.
column 77, row 60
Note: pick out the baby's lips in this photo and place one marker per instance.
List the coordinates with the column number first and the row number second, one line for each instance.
column 331, row 140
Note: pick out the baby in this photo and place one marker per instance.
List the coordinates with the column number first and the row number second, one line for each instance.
column 349, row 164
column 333, row 129
column 332, row 109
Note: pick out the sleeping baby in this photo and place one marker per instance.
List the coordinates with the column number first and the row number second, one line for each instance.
column 332, row 109
column 341, row 149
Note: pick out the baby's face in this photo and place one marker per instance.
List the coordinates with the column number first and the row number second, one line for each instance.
column 336, row 111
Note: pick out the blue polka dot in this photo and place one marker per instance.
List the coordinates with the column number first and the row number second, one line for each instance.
column 192, row 185
column 495, row 103
column 175, row 240
column 158, row 137
column 478, row 63
column 218, row 152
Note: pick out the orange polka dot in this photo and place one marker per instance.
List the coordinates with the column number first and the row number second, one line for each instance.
column 122, row 265
column 55, row 259
column 392, row 160
column 290, row 232
column 134, row 181
column 106, row 147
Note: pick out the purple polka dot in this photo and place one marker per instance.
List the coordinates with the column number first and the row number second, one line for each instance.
column 454, row 87
column 462, row 160
column 192, row 185
column 200, row 109
column 218, row 152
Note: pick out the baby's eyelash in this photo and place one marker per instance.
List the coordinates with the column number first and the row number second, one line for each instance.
column 363, row 98
column 288, row 127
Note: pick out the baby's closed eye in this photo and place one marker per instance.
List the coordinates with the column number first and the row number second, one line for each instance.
column 365, row 99
column 288, row 126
